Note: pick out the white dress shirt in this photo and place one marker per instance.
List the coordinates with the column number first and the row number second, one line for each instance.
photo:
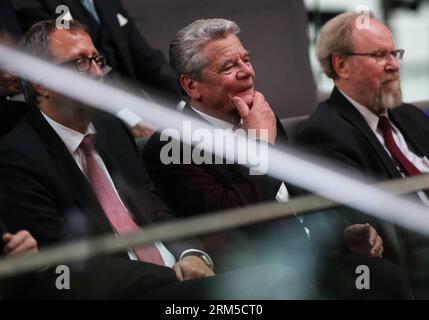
column 72, row 139
column 421, row 163
column 215, row 122
column 131, row 118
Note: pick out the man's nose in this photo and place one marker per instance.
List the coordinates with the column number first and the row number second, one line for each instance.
column 95, row 70
column 392, row 63
column 245, row 70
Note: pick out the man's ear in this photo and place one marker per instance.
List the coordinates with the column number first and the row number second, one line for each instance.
column 40, row 90
column 341, row 66
column 191, row 86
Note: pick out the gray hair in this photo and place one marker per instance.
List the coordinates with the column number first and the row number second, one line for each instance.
column 36, row 43
column 336, row 38
column 186, row 54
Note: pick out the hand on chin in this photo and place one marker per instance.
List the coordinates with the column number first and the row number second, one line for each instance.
column 247, row 97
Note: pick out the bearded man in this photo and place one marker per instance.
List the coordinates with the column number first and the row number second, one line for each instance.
column 364, row 125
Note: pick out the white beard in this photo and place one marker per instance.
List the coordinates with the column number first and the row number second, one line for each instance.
column 387, row 98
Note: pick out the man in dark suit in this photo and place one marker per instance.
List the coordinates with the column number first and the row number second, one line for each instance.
column 55, row 188
column 221, row 92
column 364, row 125
column 365, row 70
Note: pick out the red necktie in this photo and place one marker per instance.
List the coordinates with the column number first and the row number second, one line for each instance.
column 393, row 148
column 116, row 213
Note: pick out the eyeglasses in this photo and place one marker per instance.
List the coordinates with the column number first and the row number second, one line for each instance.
column 381, row 57
column 84, row 64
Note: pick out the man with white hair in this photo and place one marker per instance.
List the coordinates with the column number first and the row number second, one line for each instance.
column 217, row 78
column 365, row 110
column 364, row 124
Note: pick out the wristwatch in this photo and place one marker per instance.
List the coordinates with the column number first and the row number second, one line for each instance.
column 198, row 253
column 207, row 260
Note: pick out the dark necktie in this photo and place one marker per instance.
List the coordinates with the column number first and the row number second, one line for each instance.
column 393, row 148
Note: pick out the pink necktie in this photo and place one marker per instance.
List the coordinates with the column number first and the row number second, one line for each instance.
column 116, row 213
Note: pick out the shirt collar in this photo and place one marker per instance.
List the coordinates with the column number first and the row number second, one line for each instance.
column 370, row 117
column 71, row 138
column 217, row 123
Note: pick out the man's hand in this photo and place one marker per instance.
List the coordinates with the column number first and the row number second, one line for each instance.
column 192, row 267
column 19, row 243
column 141, row 130
column 259, row 116
column 363, row 239
column 9, row 84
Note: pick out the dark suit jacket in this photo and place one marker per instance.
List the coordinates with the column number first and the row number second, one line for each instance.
column 207, row 187
column 44, row 191
column 126, row 50
column 338, row 131
column 191, row 189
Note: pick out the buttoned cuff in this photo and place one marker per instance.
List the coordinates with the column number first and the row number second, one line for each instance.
column 129, row 117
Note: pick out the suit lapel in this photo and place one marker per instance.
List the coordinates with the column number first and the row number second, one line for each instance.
column 356, row 120
column 69, row 171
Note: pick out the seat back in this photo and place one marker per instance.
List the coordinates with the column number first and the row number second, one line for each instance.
column 424, row 105
column 292, row 126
